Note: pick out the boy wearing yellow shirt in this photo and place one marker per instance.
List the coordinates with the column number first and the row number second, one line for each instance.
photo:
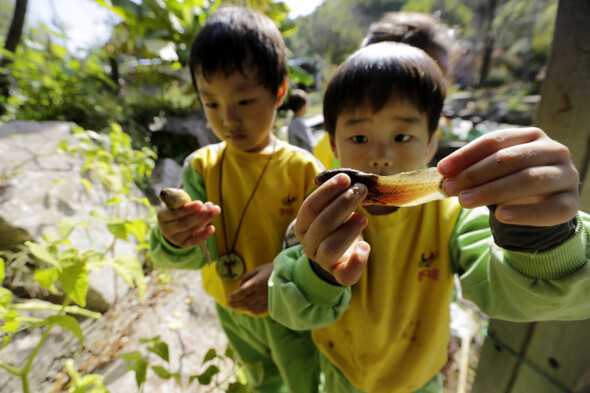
column 245, row 191
column 374, row 282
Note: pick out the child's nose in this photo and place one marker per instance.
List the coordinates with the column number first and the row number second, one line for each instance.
column 380, row 157
column 230, row 116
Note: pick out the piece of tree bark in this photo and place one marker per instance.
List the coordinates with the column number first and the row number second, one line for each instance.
column 563, row 111
column 12, row 39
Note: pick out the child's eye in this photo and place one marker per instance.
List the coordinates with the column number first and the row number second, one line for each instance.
column 211, row 105
column 359, row 139
column 246, row 102
column 403, row 137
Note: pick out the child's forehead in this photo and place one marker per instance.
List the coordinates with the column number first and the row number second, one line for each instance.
column 366, row 108
column 247, row 77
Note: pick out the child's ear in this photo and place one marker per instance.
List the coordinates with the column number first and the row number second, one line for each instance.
column 282, row 92
column 333, row 145
column 432, row 147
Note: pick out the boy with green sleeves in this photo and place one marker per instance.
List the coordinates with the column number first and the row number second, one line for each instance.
column 374, row 282
column 245, row 191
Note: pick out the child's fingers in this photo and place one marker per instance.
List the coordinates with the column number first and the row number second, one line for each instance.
column 485, row 146
column 529, row 182
column 335, row 220
column 183, row 227
column 335, row 245
column 253, row 305
column 248, row 299
column 198, row 238
column 532, row 161
column 556, row 210
column 317, row 201
column 349, row 270
column 166, row 215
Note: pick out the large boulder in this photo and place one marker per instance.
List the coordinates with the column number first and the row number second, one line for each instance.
column 178, row 136
column 39, row 187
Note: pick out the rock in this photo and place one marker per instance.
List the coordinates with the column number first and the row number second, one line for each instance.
column 167, row 173
column 180, row 312
column 41, row 187
column 178, row 136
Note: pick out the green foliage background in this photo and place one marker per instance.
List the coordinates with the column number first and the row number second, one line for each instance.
column 129, row 81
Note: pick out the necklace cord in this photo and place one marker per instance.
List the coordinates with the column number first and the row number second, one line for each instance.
column 230, row 251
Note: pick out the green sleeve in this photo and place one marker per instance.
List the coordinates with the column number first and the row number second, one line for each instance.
column 164, row 254
column 298, row 298
column 518, row 286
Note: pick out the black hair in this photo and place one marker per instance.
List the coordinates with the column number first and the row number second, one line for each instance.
column 235, row 39
column 297, row 99
column 375, row 74
column 417, row 29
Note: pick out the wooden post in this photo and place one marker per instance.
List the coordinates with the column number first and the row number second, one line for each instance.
column 551, row 357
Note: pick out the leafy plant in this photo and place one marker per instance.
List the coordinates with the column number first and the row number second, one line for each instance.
column 165, row 29
column 209, row 377
column 81, row 384
column 50, row 84
column 65, row 269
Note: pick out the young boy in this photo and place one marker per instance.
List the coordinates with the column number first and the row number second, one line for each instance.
column 298, row 133
column 374, row 282
column 245, row 192
column 418, row 29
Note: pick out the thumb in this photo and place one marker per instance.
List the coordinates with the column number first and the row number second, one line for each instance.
column 352, row 264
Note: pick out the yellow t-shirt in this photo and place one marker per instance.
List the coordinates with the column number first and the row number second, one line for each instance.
column 384, row 345
column 323, row 152
column 287, row 180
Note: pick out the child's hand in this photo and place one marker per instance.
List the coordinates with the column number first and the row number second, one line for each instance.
column 253, row 292
column 329, row 230
column 187, row 226
column 527, row 174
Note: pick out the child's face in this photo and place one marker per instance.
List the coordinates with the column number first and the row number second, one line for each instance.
column 240, row 110
column 391, row 141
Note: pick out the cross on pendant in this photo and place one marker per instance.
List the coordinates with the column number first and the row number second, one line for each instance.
column 228, row 265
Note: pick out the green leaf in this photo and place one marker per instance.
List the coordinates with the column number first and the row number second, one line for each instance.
column 42, row 253
column 161, row 349
column 74, row 281
column 131, row 356
column 140, row 368
column 47, row 278
column 299, row 75
column 206, row 377
column 210, row 355
column 5, row 299
column 229, row 351
column 118, row 229
column 99, row 216
column 87, row 185
column 11, row 322
column 131, row 270
column 162, row 372
column 115, row 201
column 65, row 227
column 237, row 387
column 137, row 228
column 65, row 322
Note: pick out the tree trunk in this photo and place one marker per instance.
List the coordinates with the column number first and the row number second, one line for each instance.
column 12, row 39
column 488, row 14
column 113, row 61
column 564, row 109
column 551, row 357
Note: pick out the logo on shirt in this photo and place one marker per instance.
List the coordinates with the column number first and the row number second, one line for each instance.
column 287, row 203
column 288, row 200
column 427, row 259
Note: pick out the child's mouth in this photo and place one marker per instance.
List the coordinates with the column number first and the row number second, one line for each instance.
column 236, row 137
